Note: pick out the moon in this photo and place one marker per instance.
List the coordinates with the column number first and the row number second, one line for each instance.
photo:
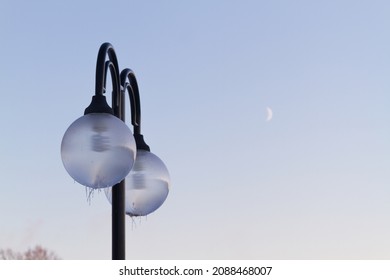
column 269, row 114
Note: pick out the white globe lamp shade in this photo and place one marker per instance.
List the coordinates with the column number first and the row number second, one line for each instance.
column 98, row 150
column 147, row 185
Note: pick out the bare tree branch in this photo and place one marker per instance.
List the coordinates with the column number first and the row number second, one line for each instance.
column 37, row 253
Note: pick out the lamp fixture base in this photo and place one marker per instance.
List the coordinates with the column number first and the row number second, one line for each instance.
column 98, row 105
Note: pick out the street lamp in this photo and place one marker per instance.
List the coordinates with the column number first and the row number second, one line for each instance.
column 98, row 150
column 147, row 184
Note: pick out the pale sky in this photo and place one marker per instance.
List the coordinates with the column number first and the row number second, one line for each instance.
column 312, row 183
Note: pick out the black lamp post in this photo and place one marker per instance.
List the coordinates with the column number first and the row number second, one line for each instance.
column 99, row 151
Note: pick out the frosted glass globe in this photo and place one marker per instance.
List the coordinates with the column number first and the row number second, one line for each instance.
column 147, row 185
column 98, row 150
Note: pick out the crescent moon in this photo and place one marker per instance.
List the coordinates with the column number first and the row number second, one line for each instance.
column 269, row 114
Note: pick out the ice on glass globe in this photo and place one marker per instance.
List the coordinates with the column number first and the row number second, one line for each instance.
column 98, row 150
column 147, row 185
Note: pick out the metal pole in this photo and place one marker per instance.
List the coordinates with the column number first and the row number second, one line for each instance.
column 118, row 191
column 118, row 222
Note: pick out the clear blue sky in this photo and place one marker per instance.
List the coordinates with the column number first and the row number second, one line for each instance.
column 312, row 183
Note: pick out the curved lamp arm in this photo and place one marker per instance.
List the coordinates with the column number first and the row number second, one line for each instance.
column 99, row 103
column 129, row 83
column 101, row 68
